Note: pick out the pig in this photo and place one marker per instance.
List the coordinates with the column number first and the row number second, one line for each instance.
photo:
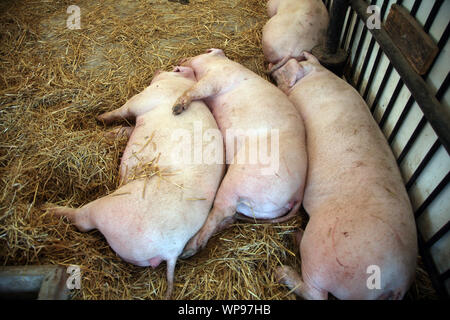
column 148, row 219
column 295, row 26
column 240, row 100
column 360, row 241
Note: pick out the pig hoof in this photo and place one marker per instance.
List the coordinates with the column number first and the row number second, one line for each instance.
column 187, row 254
column 280, row 274
column 177, row 109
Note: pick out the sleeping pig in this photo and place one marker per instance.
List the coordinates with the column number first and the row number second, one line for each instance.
column 295, row 26
column 360, row 241
column 161, row 202
column 251, row 110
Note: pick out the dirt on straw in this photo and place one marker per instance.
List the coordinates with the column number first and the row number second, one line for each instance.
column 54, row 81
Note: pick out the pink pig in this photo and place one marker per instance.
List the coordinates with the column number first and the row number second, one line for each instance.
column 242, row 100
column 150, row 219
column 295, row 26
column 360, row 241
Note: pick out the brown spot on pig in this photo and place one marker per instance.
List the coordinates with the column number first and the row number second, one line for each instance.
column 359, row 164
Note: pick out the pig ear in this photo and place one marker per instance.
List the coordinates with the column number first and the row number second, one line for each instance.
column 304, row 68
column 286, row 76
column 306, row 56
column 216, row 51
column 181, row 69
column 293, row 72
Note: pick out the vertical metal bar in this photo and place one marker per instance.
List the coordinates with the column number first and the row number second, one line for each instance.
column 431, row 267
column 433, row 195
column 434, row 148
column 372, row 73
column 353, row 34
column 351, row 15
column 412, row 139
column 355, row 61
column 380, row 90
column 362, row 39
column 438, row 235
column 441, row 43
column 444, row 38
column 436, row 278
column 432, row 15
column 391, row 103
column 337, row 16
column 401, row 119
column 444, row 276
column 369, row 51
column 415, row 7
column 365, row 64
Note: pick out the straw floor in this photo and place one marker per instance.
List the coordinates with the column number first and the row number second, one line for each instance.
column 54, row 81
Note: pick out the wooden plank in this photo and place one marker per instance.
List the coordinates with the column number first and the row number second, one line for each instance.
column 416, row 46
column 34, row 282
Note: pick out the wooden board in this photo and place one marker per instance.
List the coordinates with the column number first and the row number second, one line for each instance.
column 417, row 46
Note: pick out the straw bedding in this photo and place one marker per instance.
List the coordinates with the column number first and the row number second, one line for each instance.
column 54, row 81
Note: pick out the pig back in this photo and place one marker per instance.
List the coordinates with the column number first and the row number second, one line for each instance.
column 171, row 148
column 254, row 104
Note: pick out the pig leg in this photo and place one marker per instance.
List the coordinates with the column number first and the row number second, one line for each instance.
column 79, row 217
column 204, row 88
column 291, row 214
column 170, row 275
column 120, row 132
column 304, row 56
column 123, row 113
column 137, row 105
column 298, row 238
column 295, row 283
column 86, row 217
column 272, row 7
column 278, row 65
column 300, row 287
column 217, row 220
